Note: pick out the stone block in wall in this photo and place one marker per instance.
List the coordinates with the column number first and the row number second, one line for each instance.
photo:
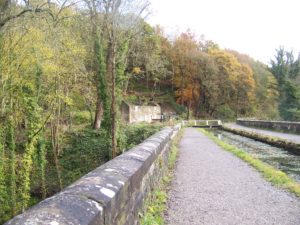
column 62, row 209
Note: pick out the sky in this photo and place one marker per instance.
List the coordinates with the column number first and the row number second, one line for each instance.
column 252, row 27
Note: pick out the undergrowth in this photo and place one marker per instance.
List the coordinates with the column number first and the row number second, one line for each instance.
column 157, row 201
column 274, row 176
column 86, row 149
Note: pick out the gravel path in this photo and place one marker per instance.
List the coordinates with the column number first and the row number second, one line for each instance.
column 212, row 186
column 290, row 137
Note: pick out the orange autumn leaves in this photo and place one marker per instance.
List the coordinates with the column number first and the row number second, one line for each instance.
column 184, row 55
column 207, row 77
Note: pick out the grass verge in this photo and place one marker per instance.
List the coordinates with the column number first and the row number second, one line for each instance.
column 275, row 176
column 155, row 205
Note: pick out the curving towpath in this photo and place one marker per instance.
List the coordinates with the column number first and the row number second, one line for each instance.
column 213, row 187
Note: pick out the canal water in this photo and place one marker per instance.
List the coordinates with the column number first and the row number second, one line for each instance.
column 274, row 156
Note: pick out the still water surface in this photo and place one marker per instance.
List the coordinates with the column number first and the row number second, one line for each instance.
column 277, row 157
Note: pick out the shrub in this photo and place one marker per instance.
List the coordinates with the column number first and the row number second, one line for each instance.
column 81, row 117
column 137, row 133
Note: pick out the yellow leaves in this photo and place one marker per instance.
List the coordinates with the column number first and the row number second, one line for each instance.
column 67, row 100
column 44, row 56
column 227, row 63
column 246, row 84
column 24, row 51
column 136, row 70
column 272, row 89
column 247, row 76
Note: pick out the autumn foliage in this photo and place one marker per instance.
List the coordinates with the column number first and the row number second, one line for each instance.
column 67, row 66
column 209, row 81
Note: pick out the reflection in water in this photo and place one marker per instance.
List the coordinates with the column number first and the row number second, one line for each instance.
column 277, row 157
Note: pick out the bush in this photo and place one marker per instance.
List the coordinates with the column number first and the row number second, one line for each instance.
column 180, row 109
column 81, row 117
column 85, row 151
column 226, row 113
column 88, row 149
column 137, row 133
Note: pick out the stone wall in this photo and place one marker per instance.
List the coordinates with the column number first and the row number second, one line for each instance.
column 140, row 113
column 112, row 194
column 144, row 113
column 272, row 125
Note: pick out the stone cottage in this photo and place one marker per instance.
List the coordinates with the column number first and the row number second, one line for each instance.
column 140, row 113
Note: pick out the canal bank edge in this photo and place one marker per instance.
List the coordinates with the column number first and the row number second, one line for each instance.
column 282, row 126
column 278, row 142
column 113, row 193
column 271, row 174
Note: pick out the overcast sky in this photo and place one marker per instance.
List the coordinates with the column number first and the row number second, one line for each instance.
column 254, row 27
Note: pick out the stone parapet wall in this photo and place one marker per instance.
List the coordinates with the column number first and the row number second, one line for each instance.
column 272, row 125
column 112, row 194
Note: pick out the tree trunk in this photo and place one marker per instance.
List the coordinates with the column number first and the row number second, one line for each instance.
column 201, row 104
column 98, row 113
column 173, row 75
column 181, row 86
column 54, row 140
column 100, row 81
column 96, row 67
column 189, row 108
column 237, row 105
column 113, row 100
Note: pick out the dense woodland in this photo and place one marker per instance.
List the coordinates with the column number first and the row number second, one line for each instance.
column 65, row 67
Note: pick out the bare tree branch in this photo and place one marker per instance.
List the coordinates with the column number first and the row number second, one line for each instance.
column 45, row 7
column 7, row 19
